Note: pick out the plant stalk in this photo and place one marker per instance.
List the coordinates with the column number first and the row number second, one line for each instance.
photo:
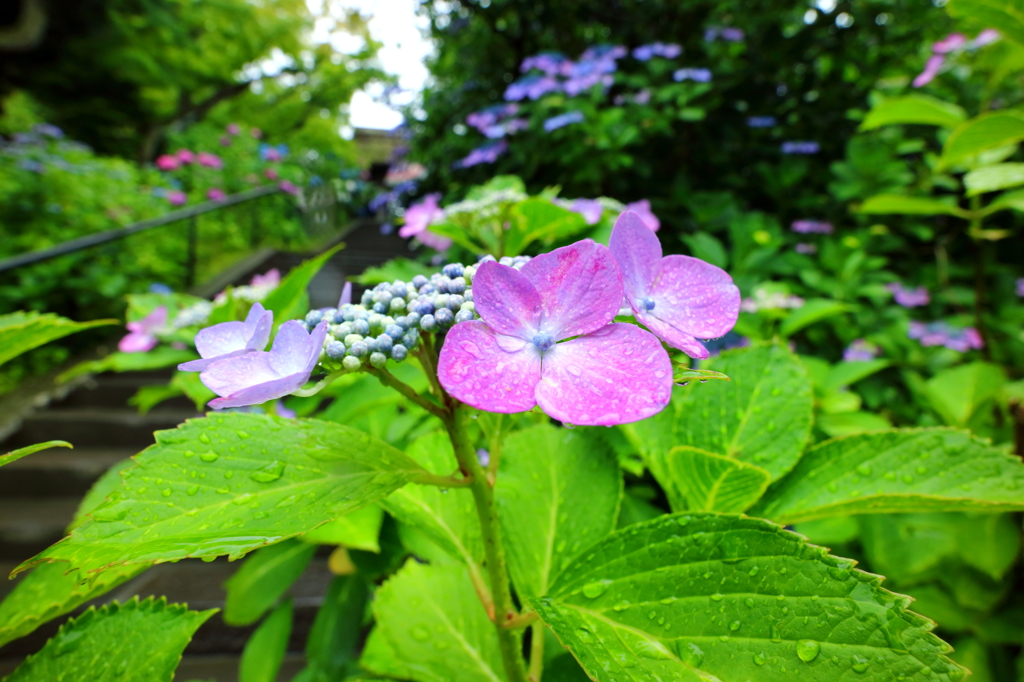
column 536, row 651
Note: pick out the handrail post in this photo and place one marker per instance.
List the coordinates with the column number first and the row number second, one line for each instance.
column 191, row 256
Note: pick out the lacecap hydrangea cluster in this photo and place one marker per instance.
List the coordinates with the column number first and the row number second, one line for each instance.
column 389, row 318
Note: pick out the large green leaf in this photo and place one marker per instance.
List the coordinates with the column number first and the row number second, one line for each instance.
column 992, row 178
column 264, row 577
column 850, row 423
column 703, row 481
column 990, row 130
column 15, row 455
column 447, row 518
column 957, row 393
column 557, row 493
column 762, row 416
column 357, row 530
column 21, row 332
column 229, row 484
column 432, row 628
column 265, row 650
column 1006, row 15
column 1007, row 200
column 133, row 642
column 289, row 301
column 814, row 310
column 900, row 204
column 910, row 470
column 709, row 597
column 849, row 373
column 539, row 219
column 914, row 109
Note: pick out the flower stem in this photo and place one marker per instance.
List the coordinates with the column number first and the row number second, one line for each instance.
column 536, row 651
column 406, row 390
column 509, row 641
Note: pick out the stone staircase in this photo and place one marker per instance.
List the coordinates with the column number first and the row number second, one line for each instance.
column 39, row 493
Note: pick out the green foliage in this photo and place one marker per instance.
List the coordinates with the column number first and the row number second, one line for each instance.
column 994, row 177
column 135, row 641
column 290, row 301
column 356, row 530
column 703, row 481
column 980, row 134
column 158, row 358
column 264, row 577
column 331, row 647
column 700, row 597
column 553, row 505
column 958, row 393
column 235, row 471
column 914, row 109
column 23, row 452
column 897, row 471
column 21, row 332
column 894, row 203
column 445, row 634
column 1006, row 14
column 265, row 650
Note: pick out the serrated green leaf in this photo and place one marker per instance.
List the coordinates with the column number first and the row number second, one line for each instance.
column 707, row 597
column 131, row 642
column 557, row 492
column 684, row 374
column 1007, row 15
column 429, row 617
column 332, row 642
column 957, row 393
column 265, row 650
column 762, row 416
column 263, row 578
column 103, row 486
column 995, row 177
column 981, row 133
column 899, row 204
column 289, row 301
column 851, row 423
column 15, row 455
column 703, row 481
column 914, row 110
column 229, row 484
column 448, row 519
column 909, row 470
column 813, row 310
column 21, row 332
column 541, row 220
column 357, row 530
column 158, row 358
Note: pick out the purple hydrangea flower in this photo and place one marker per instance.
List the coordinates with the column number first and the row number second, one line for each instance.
column 943, row 334
column 550, row 63
column 986, row 37
column 953, row 41
column 177, row 198
column 646, row 52
column 491, row 115
column 418, row 219
column 531, row 87
column 209, row 160
column 256, row 377
column 801, row 147
column 908, row 298
column 679, row 298
column 811, row 227
column 931, row 70
column 761, row 121
column 733, row 35
column 231, row 339
column 590, row 209
column 643, row 210
column 860, row 351
column 487, row 153
column 1020, row 287
column 50, row 130
column 696, row 75
column 806, row 249
column 141, row 336
column 562, row 120
column 215, row 194
column 546, row 338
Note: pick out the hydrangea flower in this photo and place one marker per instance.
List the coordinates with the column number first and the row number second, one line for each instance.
column 255, row 377
column 233, row 129
column 209, row 160
column 908, row 298
column 531, row 87
column 643, row 210
column 801, row 147
column 696, row 75
column 491, row 115
column 953, row 41
column 760, row 121
column 646, row 52
column 811, row 227
column 943, row 334
column 289, row 187
column 166, row 162
column 177, row 197
column 860, row 351
column 546, row 338
column 1020, row 287
column 931, row 70
column 488, row 153
column 562, row 120
column 271, row 174
column 986, row 37
column 418, row 219
column 551, row 63
column 215, row 194
column 806, row 249
column 679, row 298
column 141, row 337
column 231, row 339
column 590, row 209
column 185, row 155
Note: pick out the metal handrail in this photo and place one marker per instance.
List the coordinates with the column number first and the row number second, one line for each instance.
column 119, row 233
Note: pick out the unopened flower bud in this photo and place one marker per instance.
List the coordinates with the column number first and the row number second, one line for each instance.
column 378, row 360
column 313, row 317
column 428, row 323
column 384, row 297
column 468, row 305
column 398, row 353
column 410, row 339
column 486, row 259
column 382, row 344
column 464, row 316
column 445, row 318
column 457, row 286
column 455, row 302
column 397, row 305
column 419, row 280
column 351, row 363
column 412, row 320
column 358, row 349
column 352, row 339
column 342, row 330
column 506, row 260
column 468, row 295
column 394, row 331
column 440, row 301
column 453, row 270
column 380, row 308
column 361, row 327
column 335, row 350
column 399, row 289
column 428, row 289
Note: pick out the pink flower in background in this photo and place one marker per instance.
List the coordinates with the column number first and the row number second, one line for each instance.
column 270, row 279
column 166, row 162
column 546, row 338
column 908, row 298
column 642, row 209
column 272, row 155
column 590, row 209
column 679, row 298
column 225, row 141
column 931, row 70
column 210, row 160
column 289, row 187
column 215, row 194
column 1020, row 287
column 986, row 37
column 419, row 217
column 258, row 376
column 271, row 174
column 811, row 227
column 951, row 42
column 185, row 155
column 256, row 133
column 141, row 336
column 233, row 129
column 177, row 198
column 231, row 339
column 860, row 351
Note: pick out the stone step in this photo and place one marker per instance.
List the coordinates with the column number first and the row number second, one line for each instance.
column 59, row 471
column 115, row 390
column 96, row 427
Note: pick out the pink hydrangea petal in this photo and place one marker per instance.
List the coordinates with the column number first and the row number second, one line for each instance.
column 137, row 342
column 434, row 241
column 616, row 375
column 638, row 253
column 221, row 339
column 474, row 369
column 674, row 337
column 580, row 288
column 231, row 375
column 506, row 300
column 695, row 297
column 261, row 393
column 155, row 320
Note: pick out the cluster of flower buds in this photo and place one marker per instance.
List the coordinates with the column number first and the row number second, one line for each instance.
column 389, row 318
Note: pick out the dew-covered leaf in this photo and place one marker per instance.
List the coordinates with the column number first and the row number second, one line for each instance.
column 432, row 628
column 22, row 331
column 761, row 417
column 229, row 484
column 358, row 530
column 260, row 581
column 265, row 650
column 907, row 470
column 131, row 642
column 28, row 450
column 703, row 481
column 685, row 374
column 557, row 493
column 711, row 597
